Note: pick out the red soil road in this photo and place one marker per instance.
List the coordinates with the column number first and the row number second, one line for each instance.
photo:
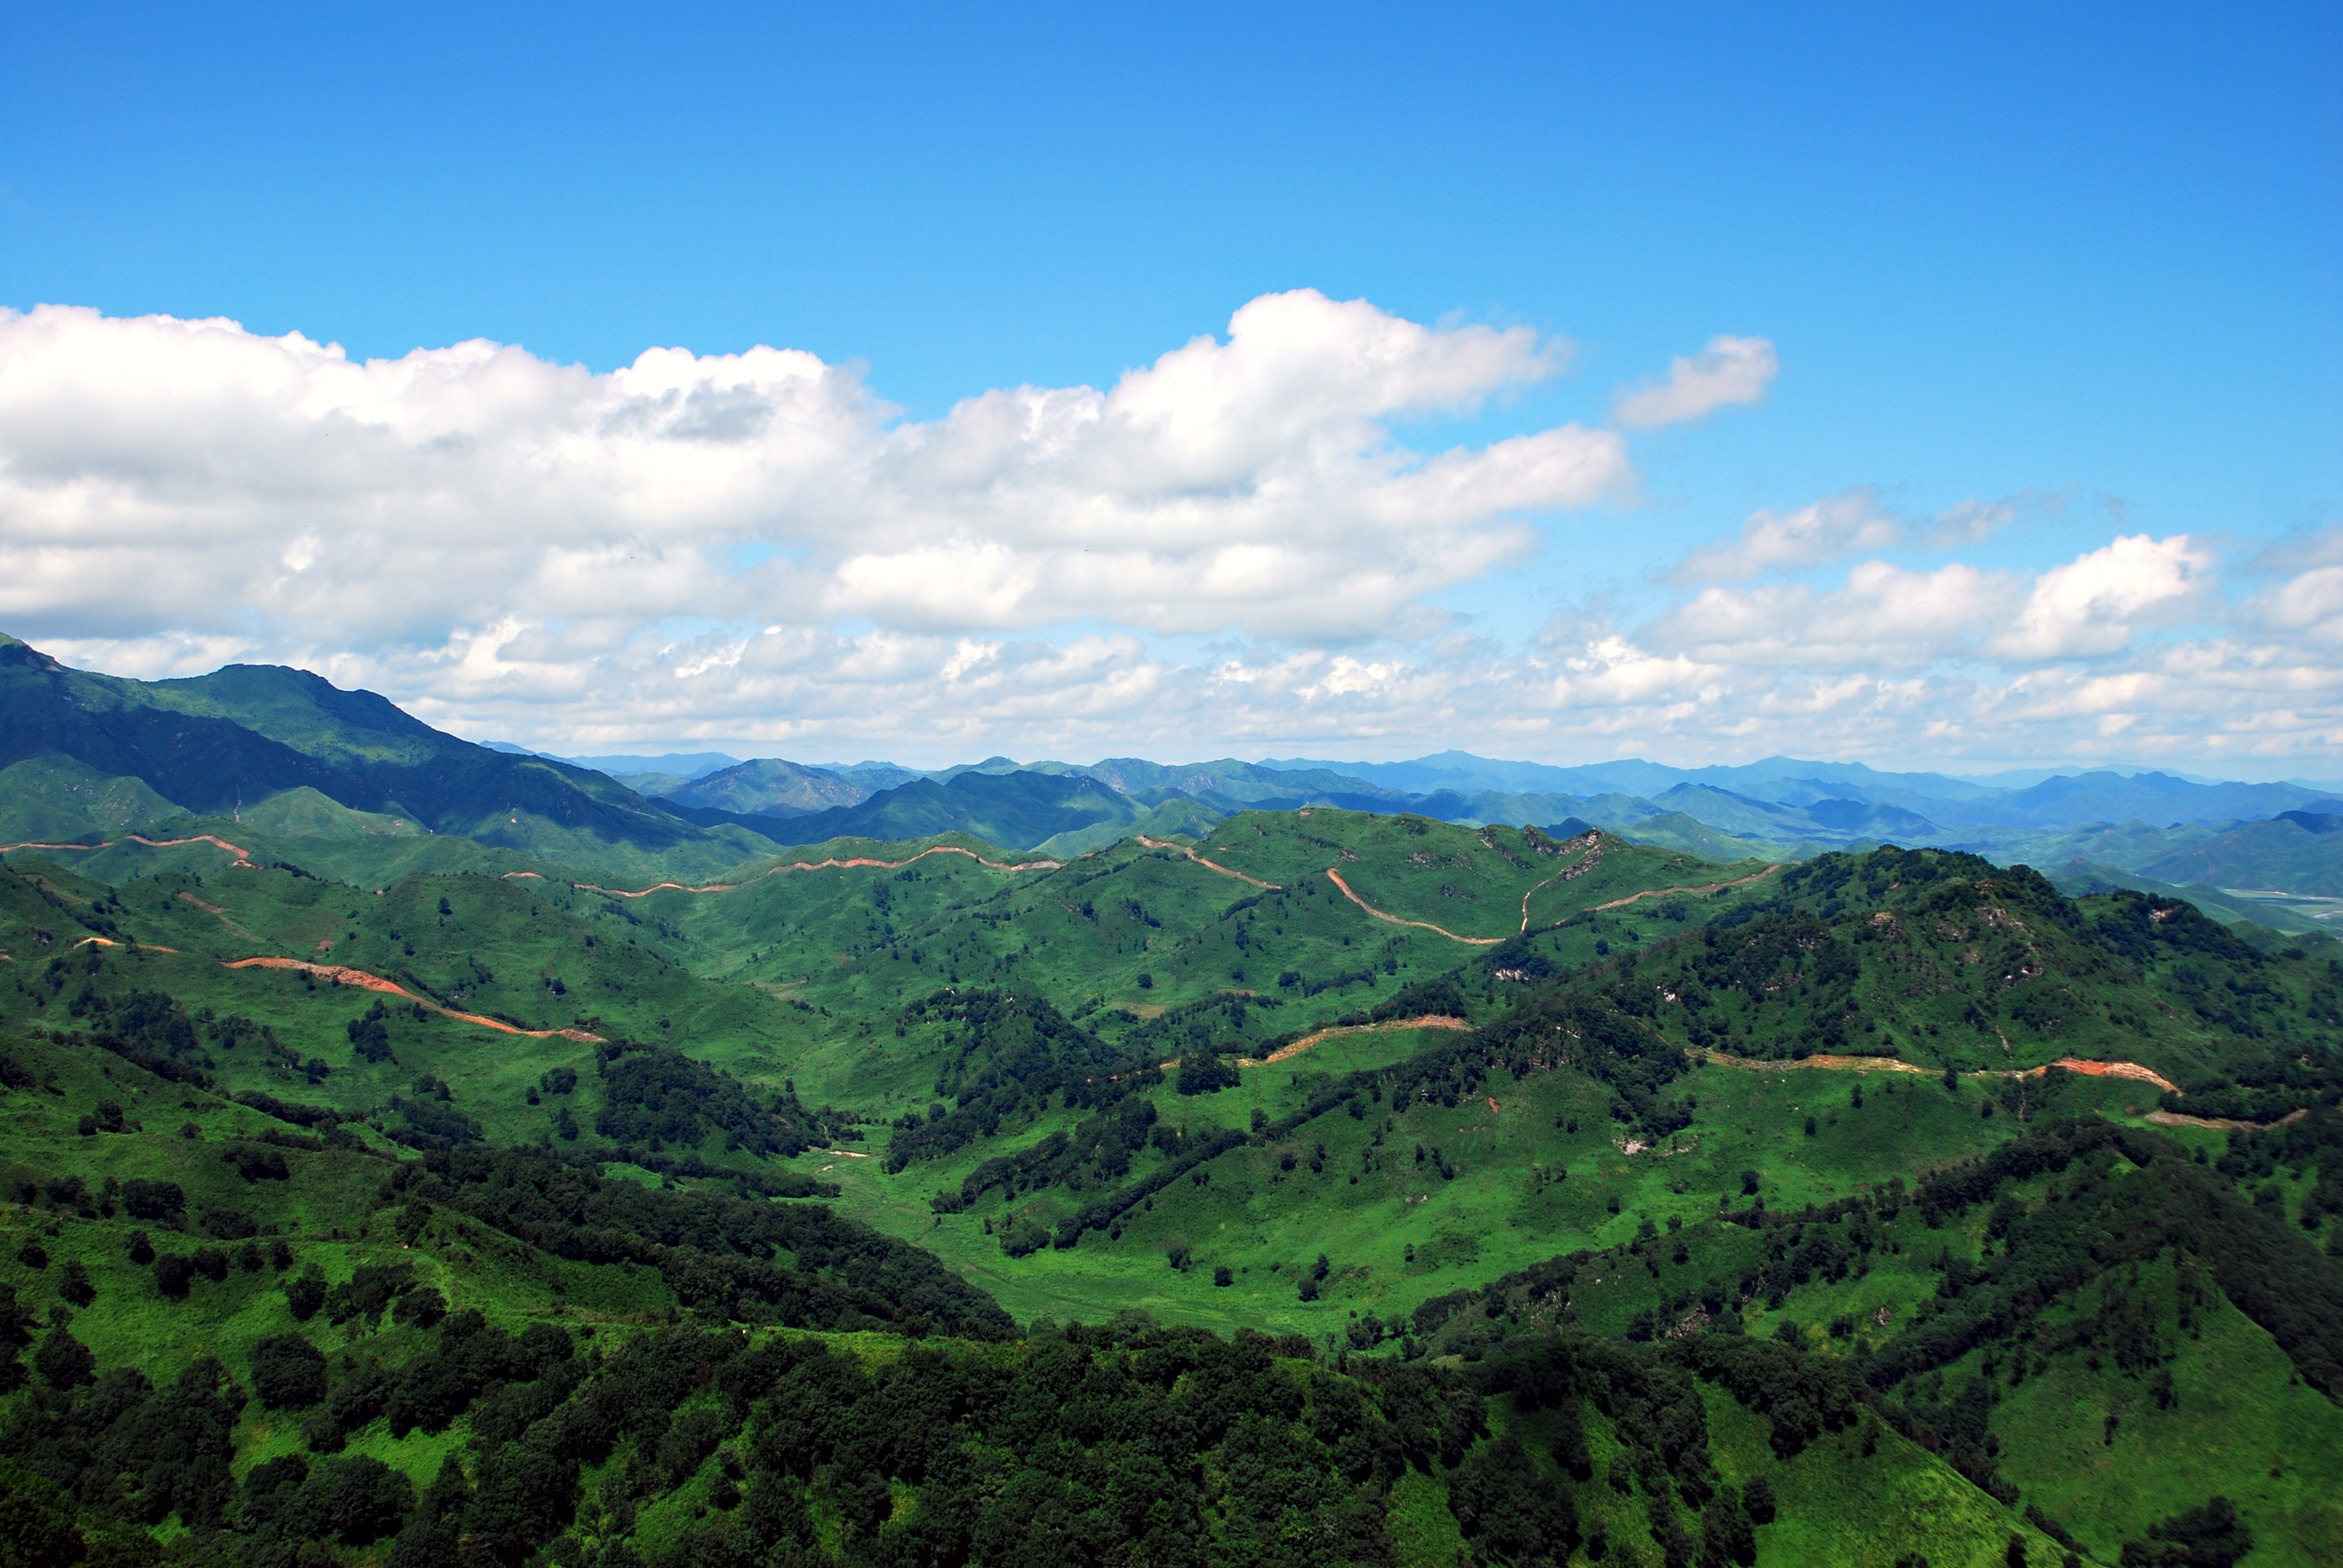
column 362, row 980
column 241, row 855
column 1295, row 1047
column 1207, row 865
column 2130, row 1069
column 825, row 865
column 2222, row 1123
column 1335, row 877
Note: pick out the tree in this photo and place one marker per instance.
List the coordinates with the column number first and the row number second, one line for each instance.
column 305, row 1293
column 288, row 1373
column 76, row 1287
column 37, row 1524
column 358, row 1498
column 63, row 1361
column 1507, row 1510
column 1728, row 1532
column 2212, row 1536
column 144, row 1200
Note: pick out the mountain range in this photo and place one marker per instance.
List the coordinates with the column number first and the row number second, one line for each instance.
column 574, row 1173
column 84, row 753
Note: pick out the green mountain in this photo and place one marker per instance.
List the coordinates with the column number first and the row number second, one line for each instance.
column 1016, row 810
column 248, row 732
column 1045, row 1166
column 87, row 756
column 767, row 787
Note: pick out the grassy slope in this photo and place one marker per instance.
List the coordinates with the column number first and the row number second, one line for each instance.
column 828, row 978
column 57, row 798
column 2242, row 1425
column 323, row 1210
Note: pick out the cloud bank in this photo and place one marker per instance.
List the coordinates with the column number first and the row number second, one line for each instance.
column 1232, row 547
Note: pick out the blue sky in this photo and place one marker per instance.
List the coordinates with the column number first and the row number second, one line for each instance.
column 2090, row 259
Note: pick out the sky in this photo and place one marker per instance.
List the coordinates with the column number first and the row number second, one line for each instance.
column 1928, row 387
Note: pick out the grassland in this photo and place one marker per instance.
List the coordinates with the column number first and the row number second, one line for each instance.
column 1468, row 1094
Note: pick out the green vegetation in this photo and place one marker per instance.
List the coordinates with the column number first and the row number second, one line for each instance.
column 1331, row 1187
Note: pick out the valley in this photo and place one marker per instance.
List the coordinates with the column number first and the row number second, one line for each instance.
column 1303, row 1174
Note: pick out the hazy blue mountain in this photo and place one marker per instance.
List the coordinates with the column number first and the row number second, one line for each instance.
column 769, row 786
column 1250, row 783
column 871, row 776
column 1016, row 810
column 2149, row 797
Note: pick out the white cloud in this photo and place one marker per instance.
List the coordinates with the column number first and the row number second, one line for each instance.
column 1887, row 617
column 2093, row 604
column 158, row 471
column 1883, row 617
column 1229, row 550
column 1846, row 524
column 1729, row 370
column 1828, row 530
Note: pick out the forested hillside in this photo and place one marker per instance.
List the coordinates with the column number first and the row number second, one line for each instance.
column 1329, row 1188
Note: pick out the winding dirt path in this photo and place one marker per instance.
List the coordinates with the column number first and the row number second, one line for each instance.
column 242, row 855
column 1335, row 877
column 110, row 942
column 2222, row 1123
column 1533, row 893
column 1703, row 888
column 361, row 980
column 823, row 866
column 1207, row 865
column 1389, row 1026
column 2129, row 1069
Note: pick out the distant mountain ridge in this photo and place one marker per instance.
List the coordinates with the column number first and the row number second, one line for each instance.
column 243, row 734
column 84, row 754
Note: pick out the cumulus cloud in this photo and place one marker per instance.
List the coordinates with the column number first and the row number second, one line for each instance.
column 1889, row 617
column 2093, row 604
column 1230, row 549
column 191, row 473
column 1729, row 370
